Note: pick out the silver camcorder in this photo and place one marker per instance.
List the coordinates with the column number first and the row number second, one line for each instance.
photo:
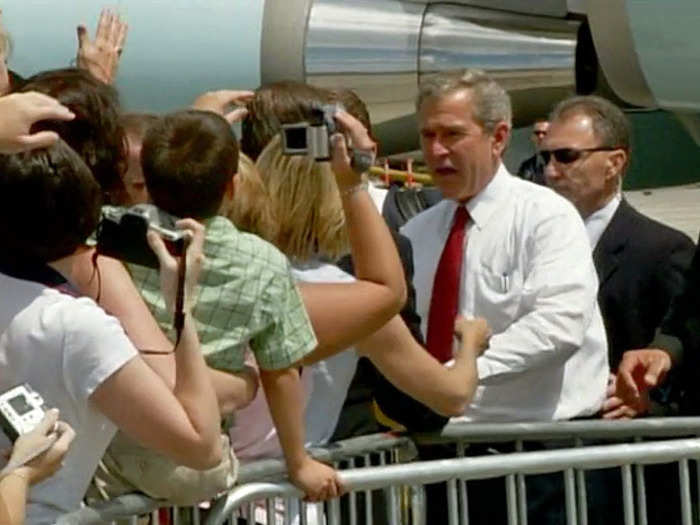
column 21, row 409
column 122, row 234
column 313, row 137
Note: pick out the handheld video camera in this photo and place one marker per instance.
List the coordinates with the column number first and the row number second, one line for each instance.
column 122, row 234
column 21, row 409
column 313, row 137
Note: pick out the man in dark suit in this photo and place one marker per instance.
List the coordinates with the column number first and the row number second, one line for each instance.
column 532, row 168
column 640, row 264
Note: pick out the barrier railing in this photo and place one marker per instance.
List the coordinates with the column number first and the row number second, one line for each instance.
column 382, row 449
column 261, row 480
column 473, row 468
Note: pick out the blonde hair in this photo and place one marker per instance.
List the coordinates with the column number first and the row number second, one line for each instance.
column 251, row 210
column 306, row 204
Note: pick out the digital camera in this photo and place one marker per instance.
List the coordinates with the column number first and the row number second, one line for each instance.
column 122, row 234
column 313, row 137
column 21, row 409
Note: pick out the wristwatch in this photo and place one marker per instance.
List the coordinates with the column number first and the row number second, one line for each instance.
column 362, row 160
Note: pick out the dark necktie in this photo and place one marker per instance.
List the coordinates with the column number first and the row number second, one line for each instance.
column 445, row 299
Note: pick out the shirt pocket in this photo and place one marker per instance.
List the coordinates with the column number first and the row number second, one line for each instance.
column 498, row 296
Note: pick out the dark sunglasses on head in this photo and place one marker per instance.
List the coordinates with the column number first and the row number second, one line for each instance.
column 568, row 155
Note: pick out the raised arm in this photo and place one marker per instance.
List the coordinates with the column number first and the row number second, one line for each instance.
column 410, row 368
column 342, row 314
column 101, row 56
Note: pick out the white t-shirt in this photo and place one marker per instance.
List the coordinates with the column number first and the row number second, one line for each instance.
column 64, row 347
column 325, row 387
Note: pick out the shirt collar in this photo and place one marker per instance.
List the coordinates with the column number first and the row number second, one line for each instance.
column 598, row 221
column 485, row 203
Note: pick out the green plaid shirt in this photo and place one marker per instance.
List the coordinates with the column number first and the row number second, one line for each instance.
column 246, row 296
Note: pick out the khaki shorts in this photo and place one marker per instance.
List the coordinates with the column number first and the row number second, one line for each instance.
column 128, row 467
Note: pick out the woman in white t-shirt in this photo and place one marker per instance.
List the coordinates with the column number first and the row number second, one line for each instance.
column 311, row 230
column 74, row 354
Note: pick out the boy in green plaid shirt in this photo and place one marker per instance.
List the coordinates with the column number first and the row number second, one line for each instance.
column 247, row 296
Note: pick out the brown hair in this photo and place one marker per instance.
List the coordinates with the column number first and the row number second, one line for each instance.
column 276, row 104
column 95, row 133
column 306, row 203
column 188, row 158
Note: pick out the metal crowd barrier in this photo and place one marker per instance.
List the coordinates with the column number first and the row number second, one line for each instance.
column 508, row 465
column 382, row 449
column 403, row 483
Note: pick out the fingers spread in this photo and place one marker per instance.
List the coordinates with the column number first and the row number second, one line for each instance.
column 82, row 35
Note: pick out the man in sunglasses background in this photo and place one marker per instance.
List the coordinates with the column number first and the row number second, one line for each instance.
column 640, row 262
column 532, row 168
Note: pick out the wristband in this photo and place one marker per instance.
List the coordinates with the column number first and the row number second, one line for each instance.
column 362, row 160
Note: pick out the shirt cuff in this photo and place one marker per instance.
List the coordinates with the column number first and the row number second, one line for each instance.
column 671, row 344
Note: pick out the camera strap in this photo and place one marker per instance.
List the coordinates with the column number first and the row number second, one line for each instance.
column 179, row 316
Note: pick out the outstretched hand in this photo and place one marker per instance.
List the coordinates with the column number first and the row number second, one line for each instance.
column 621, row 402
column 19, row 111
column 221, row 102
column 101, row 56
column 641, row 370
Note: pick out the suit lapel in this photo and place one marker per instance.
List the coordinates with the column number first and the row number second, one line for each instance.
column 608, row 252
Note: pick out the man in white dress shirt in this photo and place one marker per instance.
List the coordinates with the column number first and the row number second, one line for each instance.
column 516, row 254
column 526, row 261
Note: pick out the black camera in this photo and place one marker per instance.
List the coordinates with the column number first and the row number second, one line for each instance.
column 122, row 234
column 313, row 137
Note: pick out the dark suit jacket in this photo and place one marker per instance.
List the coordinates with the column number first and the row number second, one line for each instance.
column 641, row 265
column 532, row 169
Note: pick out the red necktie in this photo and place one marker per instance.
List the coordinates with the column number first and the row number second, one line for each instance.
column 445, row 299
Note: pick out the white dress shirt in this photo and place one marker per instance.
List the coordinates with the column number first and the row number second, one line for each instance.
column 528, row 270
column 598, row 221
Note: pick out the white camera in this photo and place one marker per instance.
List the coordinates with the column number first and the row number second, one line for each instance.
column 21, row 409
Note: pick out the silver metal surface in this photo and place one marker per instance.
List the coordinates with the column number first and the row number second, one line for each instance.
column 684, row 478
column 533, row 58
column 641, row 495
column 511, row 500
column 627, row 494
column 553, row 8
column 570, row 496
column 379, row 48
column 522, row 490
column 452, row 504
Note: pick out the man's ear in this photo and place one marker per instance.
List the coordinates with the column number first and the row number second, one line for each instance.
column 616, row 163
column 500, row 138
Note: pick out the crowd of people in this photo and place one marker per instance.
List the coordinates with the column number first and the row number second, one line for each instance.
column 300, row 316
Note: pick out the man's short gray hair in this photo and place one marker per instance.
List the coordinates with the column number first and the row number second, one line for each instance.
column 491, row 102
column 610, row 125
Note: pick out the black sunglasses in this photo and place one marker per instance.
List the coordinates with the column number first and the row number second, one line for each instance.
column 568, row 155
